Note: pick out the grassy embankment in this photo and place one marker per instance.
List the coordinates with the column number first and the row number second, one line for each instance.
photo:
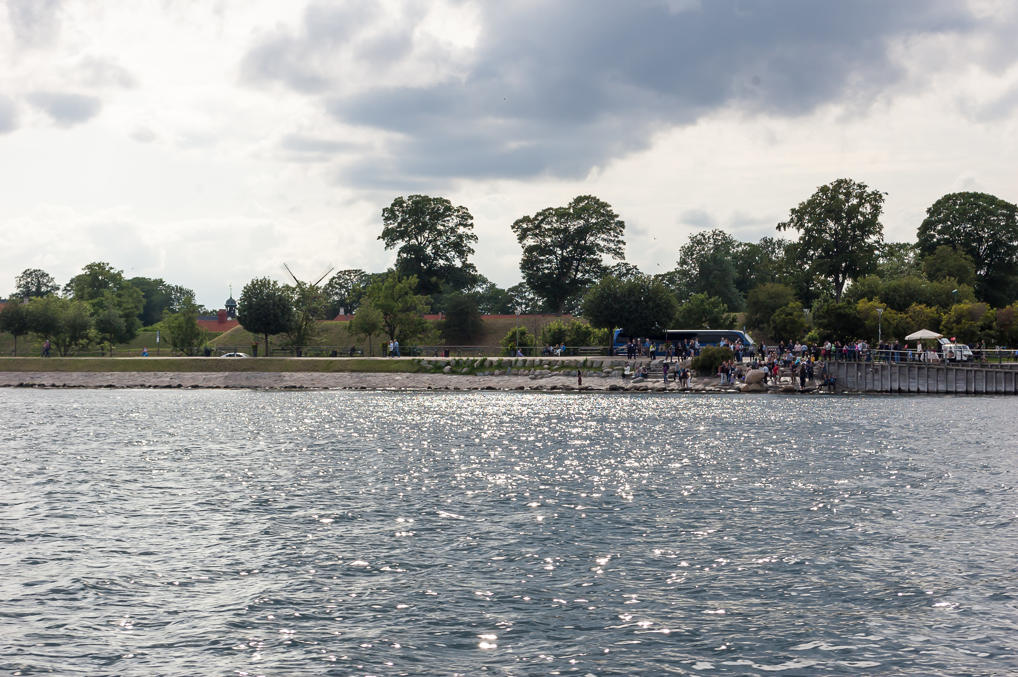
column 334, row 335
column 276, row 364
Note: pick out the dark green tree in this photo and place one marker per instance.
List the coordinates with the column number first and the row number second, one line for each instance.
column 642, row 306
column 344, row 291
column 839, row 232
column 564, row 248
column 462, row 324
column 493, row 300
column 310, row 307
column 14, row 319
column 33, row 283
column 837, row 321
column 763, row 262
column 433, row 242
column 110, row 327
column 264, row 308
column 182, row 329
column 94, row 280
column 763, row 301
column 986, row 228
column 947, row 262
column 401, row 307
column 160, row 298
column 706, row 265
column 524, row 299
column 898, row 259
column 701, row 311
column 66, row 323
column 788, row 323
column 367, row 322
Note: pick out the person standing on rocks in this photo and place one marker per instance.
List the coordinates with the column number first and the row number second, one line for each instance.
column 579, row 377
column 664, row 371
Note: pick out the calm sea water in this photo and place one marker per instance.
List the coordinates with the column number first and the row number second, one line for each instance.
column 289, row 533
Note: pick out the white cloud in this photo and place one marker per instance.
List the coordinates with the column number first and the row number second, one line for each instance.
column 208, row 144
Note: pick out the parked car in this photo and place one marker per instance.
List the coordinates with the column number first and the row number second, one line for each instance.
column 955, row 352
column 234, row 355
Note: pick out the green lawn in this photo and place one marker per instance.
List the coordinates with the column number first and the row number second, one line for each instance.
column 208, row 364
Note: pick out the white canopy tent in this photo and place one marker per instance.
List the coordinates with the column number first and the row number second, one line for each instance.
column 923, row 334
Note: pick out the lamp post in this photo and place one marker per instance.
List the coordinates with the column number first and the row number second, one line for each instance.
column 517, row 332
column 954, row 296
column 880, row 333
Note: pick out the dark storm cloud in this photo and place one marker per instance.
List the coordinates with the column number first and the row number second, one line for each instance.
column 307, row 62
column 8, row 115
column 559, row 88
column 34, row 22
column 66, row 109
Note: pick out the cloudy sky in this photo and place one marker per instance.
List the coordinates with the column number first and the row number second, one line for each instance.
column 209, row 142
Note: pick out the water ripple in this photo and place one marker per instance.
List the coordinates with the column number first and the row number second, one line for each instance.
column 284, row 533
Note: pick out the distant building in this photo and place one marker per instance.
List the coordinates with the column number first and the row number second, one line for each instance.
column 225, row 319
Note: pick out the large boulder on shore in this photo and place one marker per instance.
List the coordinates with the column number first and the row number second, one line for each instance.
column 755, row 376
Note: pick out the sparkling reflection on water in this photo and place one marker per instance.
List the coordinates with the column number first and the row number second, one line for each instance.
column 283, row 533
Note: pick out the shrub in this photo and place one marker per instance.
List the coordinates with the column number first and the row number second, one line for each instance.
column 509, row 341
column 710, row 358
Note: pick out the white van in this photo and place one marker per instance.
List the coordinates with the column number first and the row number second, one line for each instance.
column 955, row 352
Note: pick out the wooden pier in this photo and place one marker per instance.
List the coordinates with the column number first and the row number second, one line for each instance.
column 916, row 377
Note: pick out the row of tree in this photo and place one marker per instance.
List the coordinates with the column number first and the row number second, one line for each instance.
column 572, row 260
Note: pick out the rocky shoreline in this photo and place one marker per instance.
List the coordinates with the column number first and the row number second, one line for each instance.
column 592, row 381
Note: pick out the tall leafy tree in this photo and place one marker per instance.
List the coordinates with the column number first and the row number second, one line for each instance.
column 309, row 309
column 762, row 262
column 462, row 323
column 564, row 248
column 264, row 308
column 433, row 241
column 345, row 289
column 66, row 323
column 104, row 288
column 93, row 281
column 524, row 299
column 947, row 262
column 33, row 283
column 986, row 228
column 706, row 265
column 366, row 322
column 14, row 319
column 641, row 306
column 402, row 308
column 182, row 329
column 840, row 233
column 701, row 311
column 763, row 301
column 159, row 297
column 898, row 259
column 493, row 300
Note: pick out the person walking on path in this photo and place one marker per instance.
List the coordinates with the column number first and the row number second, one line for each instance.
column 46, row 348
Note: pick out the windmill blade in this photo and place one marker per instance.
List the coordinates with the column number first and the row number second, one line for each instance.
column 324, row 275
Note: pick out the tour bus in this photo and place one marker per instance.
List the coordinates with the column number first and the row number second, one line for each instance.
column 712, row 337
column 706, row 337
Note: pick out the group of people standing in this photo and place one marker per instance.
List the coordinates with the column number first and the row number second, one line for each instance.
column 669, row 350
